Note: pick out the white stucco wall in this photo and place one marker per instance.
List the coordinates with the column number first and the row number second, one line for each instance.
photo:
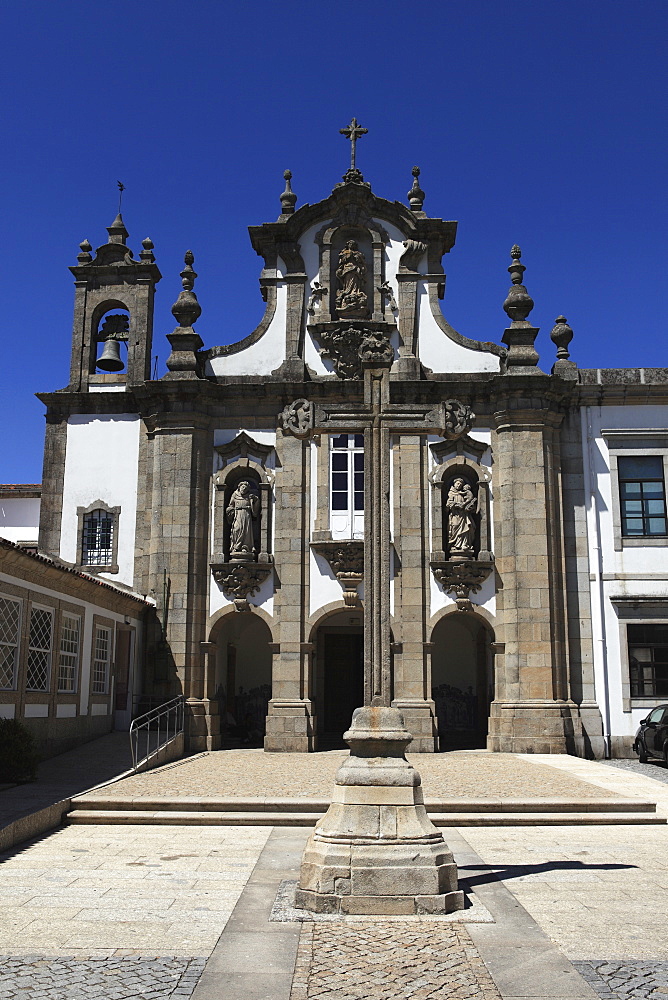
column 266, row 354
column 19, row 519
column 441, row 354
column 101, row 463
column 633, row 571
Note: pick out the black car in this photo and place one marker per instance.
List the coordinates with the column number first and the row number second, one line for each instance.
column 652, row 736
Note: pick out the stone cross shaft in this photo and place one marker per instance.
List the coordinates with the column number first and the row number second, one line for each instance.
column 380, row 418
column 353, row 132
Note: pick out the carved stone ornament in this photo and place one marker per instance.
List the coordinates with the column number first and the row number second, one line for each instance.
column 462, row 579
column 341, row 344
column 376, row 348
column 351, row 297
column 346, row 559
column 297, row 418
column 459, row 419
column 238, row 581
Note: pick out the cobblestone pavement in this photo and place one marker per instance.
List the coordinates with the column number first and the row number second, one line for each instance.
column 654, row 770
column 101, row 891
column 383, row 960
column 241, row 773
column 68, row 978
column 626, row 980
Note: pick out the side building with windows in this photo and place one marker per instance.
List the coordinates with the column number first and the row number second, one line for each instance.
column 524, row 505
column 70, row 650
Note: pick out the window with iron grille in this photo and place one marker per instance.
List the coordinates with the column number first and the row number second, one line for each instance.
column 68, row 660
column 101, row 659
column 347, row 485
column 39, row 649
column 642, row 495
column 97, row 547
column 10, row 630
column 648, row 660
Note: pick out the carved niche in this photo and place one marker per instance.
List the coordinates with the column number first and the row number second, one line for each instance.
column 242, row 519
column 462, row 559
column 351, row 301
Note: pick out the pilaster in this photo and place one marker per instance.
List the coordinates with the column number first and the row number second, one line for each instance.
column 532, row 710
column 53, row 477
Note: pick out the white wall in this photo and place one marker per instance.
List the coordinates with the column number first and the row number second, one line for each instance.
column 266, row 354
column 101, row 463
column 640, row 571
column 19, row 519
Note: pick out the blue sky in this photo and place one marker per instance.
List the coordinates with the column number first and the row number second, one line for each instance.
column 541, row 124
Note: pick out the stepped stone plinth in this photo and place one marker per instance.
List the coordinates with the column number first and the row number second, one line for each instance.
column 376, row 850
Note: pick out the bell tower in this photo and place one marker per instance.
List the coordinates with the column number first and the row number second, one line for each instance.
column 113, row 306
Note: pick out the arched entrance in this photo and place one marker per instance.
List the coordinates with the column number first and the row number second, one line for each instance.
column 339, row 676
column 462, row 680
column 243, row 679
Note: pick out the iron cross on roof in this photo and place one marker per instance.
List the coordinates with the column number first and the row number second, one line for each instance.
column 353, row 132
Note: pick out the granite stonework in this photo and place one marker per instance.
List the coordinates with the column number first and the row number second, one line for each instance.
column 376, row 851
column 267, row 408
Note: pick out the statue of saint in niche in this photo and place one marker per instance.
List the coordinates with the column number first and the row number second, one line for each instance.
column 351, row 297
column 242, row 510
column 461, row 506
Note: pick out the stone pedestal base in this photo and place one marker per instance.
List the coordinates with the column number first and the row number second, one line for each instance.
column 202, row 724
column 420, row 720
column 376, row 850
column 535, row 727
column 290, row 727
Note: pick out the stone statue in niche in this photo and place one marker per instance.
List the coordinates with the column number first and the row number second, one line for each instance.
column 461, row 506
column 242, row 510
column 351, row 297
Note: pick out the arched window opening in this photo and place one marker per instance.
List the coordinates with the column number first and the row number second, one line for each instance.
column 113, row 330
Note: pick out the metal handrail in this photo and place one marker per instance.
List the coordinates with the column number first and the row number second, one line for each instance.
column 164, row 723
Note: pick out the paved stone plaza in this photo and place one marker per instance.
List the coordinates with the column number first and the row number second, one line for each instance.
column 171, row 911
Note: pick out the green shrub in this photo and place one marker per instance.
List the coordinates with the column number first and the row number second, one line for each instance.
column 18, row 755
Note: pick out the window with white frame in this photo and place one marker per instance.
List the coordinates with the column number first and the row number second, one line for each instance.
column 347, row 485
column 101, row 660
column 68, row 659
column 97, row 545
column 39, row 649
column 10, row 630
column 642, row 495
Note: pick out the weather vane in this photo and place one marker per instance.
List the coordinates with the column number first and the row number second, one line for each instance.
column 121, row 189
column 353, row 132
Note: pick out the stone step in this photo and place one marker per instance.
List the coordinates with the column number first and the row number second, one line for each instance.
column 305, row 819
column 277, row 805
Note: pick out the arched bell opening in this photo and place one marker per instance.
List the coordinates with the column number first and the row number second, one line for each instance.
column 111, row 334
column 242, row 679
column 462, row 680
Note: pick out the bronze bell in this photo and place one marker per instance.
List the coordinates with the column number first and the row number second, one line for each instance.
column 110, row 359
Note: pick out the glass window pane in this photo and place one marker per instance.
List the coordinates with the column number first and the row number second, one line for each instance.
column 339, row 461
column 359, row 481
column 359, row 501
column 640, row 466
column 640, row 654
column 630, row 490
column 633, row 506
column 654, row 506
column 339, row 501
column 359, row 440
column 652, row 491
column 633, row 526
column 340, row 441
column 656, row 526
column 339, row 480
column 358, row 461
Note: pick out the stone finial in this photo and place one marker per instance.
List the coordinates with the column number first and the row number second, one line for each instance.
column 519, row 337
column 147, row 251
column 117, row 231
column 518, row 302
column 288, row 198
column 186, row 310
column 85, row 256
column 416, row 195
column 561, row 335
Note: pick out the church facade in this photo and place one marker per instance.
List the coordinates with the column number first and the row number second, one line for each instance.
column 519, row 513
